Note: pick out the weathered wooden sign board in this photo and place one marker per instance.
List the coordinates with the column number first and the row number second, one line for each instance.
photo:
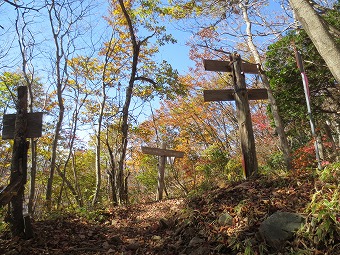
column 229, row 94
column 163, row 153
column 226, row 66
column 241, row 95
column 34, row 125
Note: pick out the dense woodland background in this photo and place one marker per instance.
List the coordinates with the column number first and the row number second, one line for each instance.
column 94, row 69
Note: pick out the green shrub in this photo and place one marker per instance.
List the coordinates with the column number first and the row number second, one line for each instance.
column 3, row 224
column 274, row 162
column 322, row 228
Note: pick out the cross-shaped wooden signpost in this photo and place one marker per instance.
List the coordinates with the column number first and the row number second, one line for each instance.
column 241, row 95
column 163, row 153
column 19, row 126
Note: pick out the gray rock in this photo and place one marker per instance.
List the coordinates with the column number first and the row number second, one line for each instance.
column 12, row 252
column 280, row 227
column 196, row 241
column 106, row 245
column 115, row 240
column 202, row 250
column 133, row 246
column 225, row 219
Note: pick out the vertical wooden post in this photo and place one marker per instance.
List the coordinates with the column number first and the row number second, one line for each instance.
column 161, row 170
column 19, row 164
column 249, row 159
column 162, row 153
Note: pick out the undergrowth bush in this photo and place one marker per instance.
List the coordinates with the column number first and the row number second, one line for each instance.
column 274, row 162
column 322, row 229
column 3, row 224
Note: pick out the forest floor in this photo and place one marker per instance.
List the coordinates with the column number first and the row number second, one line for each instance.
column 174, row 226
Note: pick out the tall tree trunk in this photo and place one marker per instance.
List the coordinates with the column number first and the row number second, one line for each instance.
column 99, row 129
column 337, row 127
column 61, row 28
column 54, row 154
column 33, row 143
column 19, row 165
column 76, row 182
column 70, row 187
column 275, row 111
column 124, row 140
column 26, row 50
column 70, row 146
column 122, row 190
column 98, row 149
column 318, row 32
column 112, row 171
column 31, row 198
column 105, row 84
column 122, row 180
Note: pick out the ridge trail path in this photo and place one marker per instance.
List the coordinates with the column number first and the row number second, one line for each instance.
column 135, row 229
column 187, row 226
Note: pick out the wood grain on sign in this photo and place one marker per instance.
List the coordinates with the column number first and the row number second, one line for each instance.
column 34, row 125
column 162, row 152
column 225, row 66
column 219, row 95
column 228, row 94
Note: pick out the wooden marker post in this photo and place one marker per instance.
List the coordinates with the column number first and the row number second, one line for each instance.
column 19, row 126
column 163, row 153
column 240, row 94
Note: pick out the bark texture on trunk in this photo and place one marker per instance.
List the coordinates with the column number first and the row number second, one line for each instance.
column 19, row 165
column 318, row 32
column 249, row 160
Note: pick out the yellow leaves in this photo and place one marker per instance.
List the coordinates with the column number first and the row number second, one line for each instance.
column 117, row 49
column 51, row 106
column 85, row 67
column 105, row 71
column 117, row 16
column 143, row 92
column 182, row 10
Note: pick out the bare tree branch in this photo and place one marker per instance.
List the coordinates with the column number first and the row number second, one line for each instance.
column 17, row 6
column 141, row 78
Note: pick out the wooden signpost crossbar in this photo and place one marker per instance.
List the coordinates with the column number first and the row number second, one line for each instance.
column 228, row 94
column 162, row 153
column 226, row 66
column 241, row 95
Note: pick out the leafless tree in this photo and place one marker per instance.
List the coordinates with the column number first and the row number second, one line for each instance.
column 64, row 17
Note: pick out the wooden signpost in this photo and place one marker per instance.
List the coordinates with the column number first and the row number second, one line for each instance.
column 163, row 153
column 19, row 126
column 34, row 125
column 240, row 94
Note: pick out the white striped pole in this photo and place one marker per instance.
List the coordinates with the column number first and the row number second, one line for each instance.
column 307, row 95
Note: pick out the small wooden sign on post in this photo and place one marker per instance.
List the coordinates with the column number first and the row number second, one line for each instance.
column 163, row 153
column 34, row 125
column 241, row 95
column 19, row 127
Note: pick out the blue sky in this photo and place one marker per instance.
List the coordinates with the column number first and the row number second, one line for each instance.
column 177, row 54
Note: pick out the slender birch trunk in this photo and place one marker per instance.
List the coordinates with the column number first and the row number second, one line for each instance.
column 277, row 119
